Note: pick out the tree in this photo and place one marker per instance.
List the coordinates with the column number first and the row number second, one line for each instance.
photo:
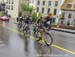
column 26, row 7
column 34, row 17
column 30, row 9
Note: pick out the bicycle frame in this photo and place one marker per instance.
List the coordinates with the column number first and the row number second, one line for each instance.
column 40, row 35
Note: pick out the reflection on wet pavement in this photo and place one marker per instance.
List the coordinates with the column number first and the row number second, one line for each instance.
column 15, row 45
column 42, row 50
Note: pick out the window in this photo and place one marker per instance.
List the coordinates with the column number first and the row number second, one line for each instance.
column 49, row 3
column 56, row 3
column 55, row 11
column 12, row 1
column 42, row 10
column 9, row 7
column 48, row 10
column 9, row 1
column 12, row 7
column 37, row 9
column 69, row 5
column 69, row 16
column 43, row 2
column 32, row 1
column 63, row 15
column 38, row 3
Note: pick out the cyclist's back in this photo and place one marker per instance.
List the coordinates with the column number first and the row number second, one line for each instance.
column 48, row 20
column 28, row 20
column 40, row 23
column 20, row 19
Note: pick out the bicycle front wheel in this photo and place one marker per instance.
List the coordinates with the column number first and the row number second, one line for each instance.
column 48, row 39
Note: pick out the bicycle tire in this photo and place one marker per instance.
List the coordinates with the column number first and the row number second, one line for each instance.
column 26, row 31
column 35, row 32
column 48, row 39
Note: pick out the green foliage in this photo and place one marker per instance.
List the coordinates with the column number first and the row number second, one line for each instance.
column 1, row 13
column 34, row 17
column 30, row 9
column 26, row 7
column 39, row 15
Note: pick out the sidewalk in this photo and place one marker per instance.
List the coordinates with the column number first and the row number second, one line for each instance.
column 64, row 30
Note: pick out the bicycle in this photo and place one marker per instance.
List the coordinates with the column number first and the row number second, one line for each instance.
column 26, row 30
column 19, row 24
column 43, row 36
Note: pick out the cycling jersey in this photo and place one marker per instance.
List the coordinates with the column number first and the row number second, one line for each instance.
column 47, row 21
column 28, row 20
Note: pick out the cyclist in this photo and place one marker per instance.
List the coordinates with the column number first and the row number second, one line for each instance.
column 48, row 20
column 17, row 19
column 39, row 20
column 44, row 23
column 40, row 26
column 27, row 21
column 20, row 19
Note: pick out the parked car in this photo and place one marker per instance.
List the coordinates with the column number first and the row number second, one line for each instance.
column 4, row 18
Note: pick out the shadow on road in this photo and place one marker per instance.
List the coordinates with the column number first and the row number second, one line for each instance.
column 43, row 50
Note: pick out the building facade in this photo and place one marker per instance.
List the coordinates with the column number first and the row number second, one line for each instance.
column 32, row 3
column 13, row 7
column 47, row 6
column 68, row 13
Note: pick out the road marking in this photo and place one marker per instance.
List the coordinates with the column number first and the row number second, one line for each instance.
column 53, row 45
column 56, row 46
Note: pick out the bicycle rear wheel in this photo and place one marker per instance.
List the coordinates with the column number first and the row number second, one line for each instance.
column 48, row 39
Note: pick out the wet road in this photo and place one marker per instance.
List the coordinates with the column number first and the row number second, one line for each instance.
column 12, row 44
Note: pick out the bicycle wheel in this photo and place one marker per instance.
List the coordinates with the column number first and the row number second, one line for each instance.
column 48, row 39
column 26, row 31
column 35, row 31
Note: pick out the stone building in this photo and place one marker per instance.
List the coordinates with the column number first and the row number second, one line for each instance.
column 46, row 6
column 68, row 13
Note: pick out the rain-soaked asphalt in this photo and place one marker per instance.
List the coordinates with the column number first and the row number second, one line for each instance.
column 12, row 44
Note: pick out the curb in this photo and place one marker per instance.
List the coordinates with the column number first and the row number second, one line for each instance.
column 64, row 31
